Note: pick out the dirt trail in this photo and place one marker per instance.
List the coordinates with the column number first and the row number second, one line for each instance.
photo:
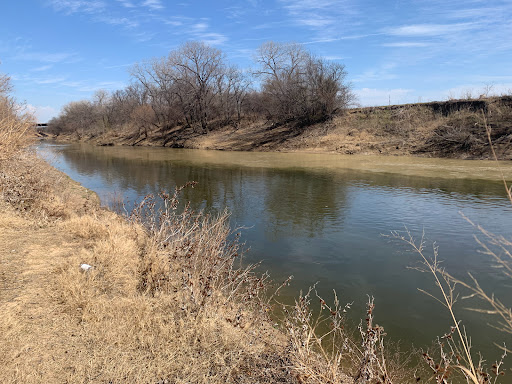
column 29, row 258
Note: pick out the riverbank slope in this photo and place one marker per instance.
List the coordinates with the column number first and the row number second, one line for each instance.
column 451, row 129
column 133, row 317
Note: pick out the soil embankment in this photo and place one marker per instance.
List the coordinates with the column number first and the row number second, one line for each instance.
column 452, row 129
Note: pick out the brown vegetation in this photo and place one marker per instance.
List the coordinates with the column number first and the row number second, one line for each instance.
column 164, row 296
column 452, row 357
column 195, row 90
column 15, row 126
column 161, row 296
column 168, row 298
column 452, row 129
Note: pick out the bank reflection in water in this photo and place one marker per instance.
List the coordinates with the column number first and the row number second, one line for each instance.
column 324, row 223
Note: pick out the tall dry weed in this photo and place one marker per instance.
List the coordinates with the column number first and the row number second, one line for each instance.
column 325, row 349
column 201, row 248
column 167, row 300
column 15, row 125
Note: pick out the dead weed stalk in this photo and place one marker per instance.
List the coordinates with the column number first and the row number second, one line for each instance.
column 201, row 248
column 323, row 351
column 454, row 347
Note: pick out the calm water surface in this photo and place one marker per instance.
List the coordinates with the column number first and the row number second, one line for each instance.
column 322, row 217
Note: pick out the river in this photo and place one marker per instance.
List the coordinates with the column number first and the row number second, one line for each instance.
column 324, row 218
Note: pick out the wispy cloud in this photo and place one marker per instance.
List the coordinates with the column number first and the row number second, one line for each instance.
column 406, row 44
column 475, row 89
column 121, row 21
column 429, row 30
column 92, row 85
column 200, row 31
column 199, row 27
column 42, row 68
column 333, row 57
column 153, row 4
column 50, row 80
column 46, row 57
column 300, row 6
column 127, row 3
column 374, row 96
column 320, row 15
column 74, row 6
column 380, row 73
column 119, row 66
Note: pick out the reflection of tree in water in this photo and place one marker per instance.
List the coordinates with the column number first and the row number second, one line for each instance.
column 218, row 187
column 300, row 203
column 317, row 224
column 295, row 202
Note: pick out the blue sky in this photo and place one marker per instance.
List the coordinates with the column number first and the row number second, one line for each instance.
column 58, row 51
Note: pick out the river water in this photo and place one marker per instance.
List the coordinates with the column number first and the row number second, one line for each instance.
column 324, row 218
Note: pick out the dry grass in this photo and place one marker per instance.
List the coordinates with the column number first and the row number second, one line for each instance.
column 324, row 348
column 168, row 300
column 15, row 128
column 164, row 302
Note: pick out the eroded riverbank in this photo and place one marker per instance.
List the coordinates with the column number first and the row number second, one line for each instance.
column 452, row 129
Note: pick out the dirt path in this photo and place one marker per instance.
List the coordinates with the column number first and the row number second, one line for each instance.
column 29, row 257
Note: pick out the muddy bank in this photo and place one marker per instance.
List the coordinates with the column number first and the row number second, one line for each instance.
column 451, row 129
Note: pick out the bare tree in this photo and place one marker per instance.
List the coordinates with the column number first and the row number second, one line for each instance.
column 143, row 116
column 76, row 117
column 296, row 85
column 231, row 89
column 103, row 106
column 5, row 85
column 157, row 89
column 196, row 68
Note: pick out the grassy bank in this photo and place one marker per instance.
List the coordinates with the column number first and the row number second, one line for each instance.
column 452, row 129
column 141, row 313
column 159, row 296
column 163, row 295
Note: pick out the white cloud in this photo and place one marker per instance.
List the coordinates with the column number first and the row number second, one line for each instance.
column 373, row 96
column 321, row 15
column 107, row 85
column 153, row 4
column 42, row 113
column 74, row 6
column 476, row 89
column 334, row 57
column 199, row 31
column 429, row 30
column 50, row 80
column 200, row 27
column 406, row 44
column 316, row 21
column 42, row 68
column 46, row 57
column 382, row 72
column 308, row 5
column 122, row 21
column 214, row 38
column 126, row 3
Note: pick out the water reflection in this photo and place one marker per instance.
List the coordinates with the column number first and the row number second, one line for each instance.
column 321, row 218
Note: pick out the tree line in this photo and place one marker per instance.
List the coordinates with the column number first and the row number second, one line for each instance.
column 194, row 86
